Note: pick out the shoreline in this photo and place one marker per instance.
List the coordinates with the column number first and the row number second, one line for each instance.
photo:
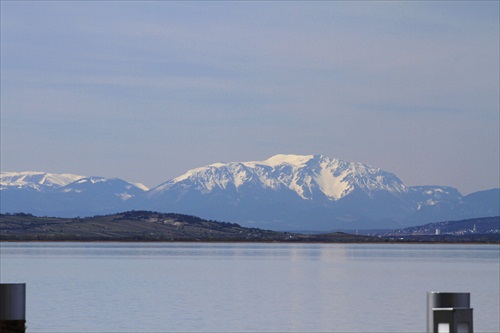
column 256, row 242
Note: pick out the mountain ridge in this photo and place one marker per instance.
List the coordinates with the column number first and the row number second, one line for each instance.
column 34, row 178
column 283, row 192
column 332, row 179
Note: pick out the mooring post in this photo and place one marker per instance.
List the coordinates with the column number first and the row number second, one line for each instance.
column 449, row 313
column 12, row 307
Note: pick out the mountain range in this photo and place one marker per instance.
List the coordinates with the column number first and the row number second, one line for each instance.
column 284, row 192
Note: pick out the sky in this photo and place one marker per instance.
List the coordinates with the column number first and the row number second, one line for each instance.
column 148, row 90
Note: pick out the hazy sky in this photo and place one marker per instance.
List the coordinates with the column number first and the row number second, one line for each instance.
column 145, row 91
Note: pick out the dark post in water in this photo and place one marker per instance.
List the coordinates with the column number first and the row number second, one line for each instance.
column 12, row 307
column 449, row 313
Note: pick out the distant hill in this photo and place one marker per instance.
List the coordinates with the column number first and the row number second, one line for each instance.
column 284, row 192
column 480, row 229
column 148, row 226
column 153, row 226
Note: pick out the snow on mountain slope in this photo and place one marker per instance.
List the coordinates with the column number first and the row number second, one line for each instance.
column 66, row 195
column 308, row 176
column 286, row 159
column 36, row 180
column 44, row 180
column 100, row 186
column 433, row 195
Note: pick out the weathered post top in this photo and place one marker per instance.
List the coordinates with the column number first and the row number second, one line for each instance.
column 449, row 312
column 12, row 301
column 448, row 300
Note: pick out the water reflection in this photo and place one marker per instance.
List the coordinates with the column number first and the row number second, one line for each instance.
column 234, row 287
column 322, row 252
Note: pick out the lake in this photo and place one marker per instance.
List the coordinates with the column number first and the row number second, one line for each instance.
column 245, row 287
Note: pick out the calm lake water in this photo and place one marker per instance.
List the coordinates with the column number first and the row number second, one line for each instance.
column 233, row 287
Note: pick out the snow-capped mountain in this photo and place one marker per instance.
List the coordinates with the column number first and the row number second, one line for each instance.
column 100, row 186
column 42, row 193
column 310, row 177
column 284, row 192
column 296, row 192
column 35, row 180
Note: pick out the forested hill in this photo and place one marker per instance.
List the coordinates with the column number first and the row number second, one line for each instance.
column 147, row 226
column 154, row 226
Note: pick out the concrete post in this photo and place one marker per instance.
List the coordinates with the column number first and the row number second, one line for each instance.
column 12, row 307
column 449, row 313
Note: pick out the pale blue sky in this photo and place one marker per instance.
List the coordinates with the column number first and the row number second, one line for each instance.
column 145, row 91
